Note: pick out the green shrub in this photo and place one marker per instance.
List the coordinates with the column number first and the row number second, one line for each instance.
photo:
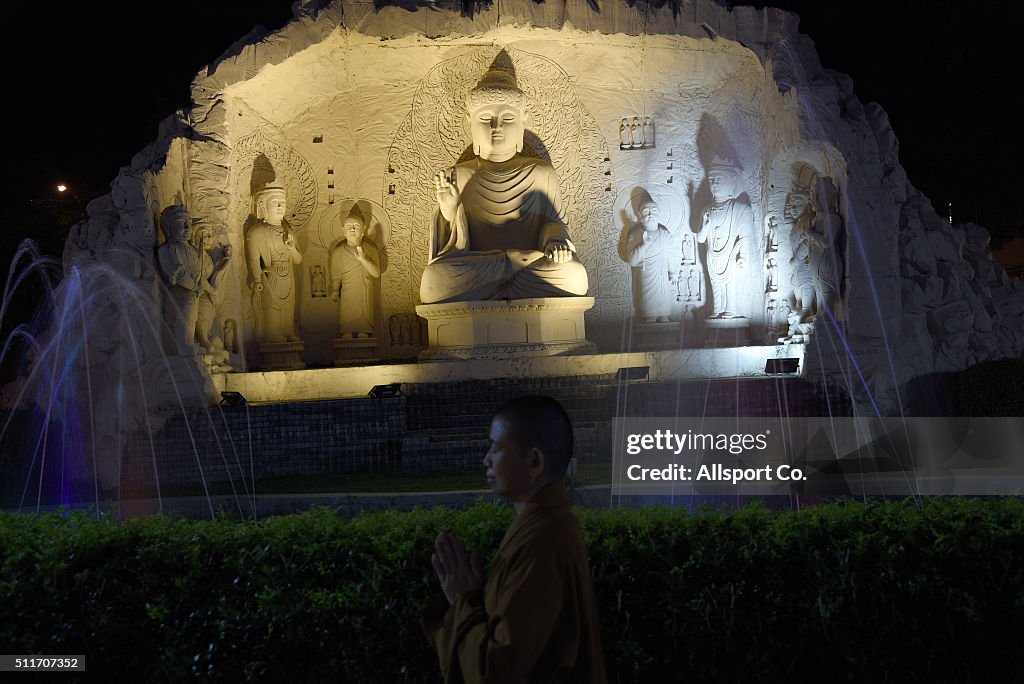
column 877, row 592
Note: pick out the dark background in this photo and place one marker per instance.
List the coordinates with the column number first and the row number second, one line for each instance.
column 92, row 81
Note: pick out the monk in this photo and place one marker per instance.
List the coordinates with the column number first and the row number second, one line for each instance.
column 499, row 231
column 534, row 618
column 355, row 268
column 655, row 253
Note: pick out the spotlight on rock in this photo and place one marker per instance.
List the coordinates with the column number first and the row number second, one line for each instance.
column 787, row 366
column 386, row 391
column 628, row 373
column 228, row 398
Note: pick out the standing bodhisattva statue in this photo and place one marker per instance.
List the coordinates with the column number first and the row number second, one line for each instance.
column 727, row 228
column 499, row 231
column 271, row 255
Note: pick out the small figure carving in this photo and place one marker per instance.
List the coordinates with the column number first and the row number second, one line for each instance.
column 231, row 335
column 654, row 253
column 772, row 231
column 318, row 282
column 623, row 144
column 693, row 286
column 727, row 228
column 499, row 231
column 648, row 132
column 634, row 134
column 355, row 268
column 772, row 284
column 689, row 253
column 272, row 253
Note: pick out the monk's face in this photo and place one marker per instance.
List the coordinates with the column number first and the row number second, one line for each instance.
column 497, row 129
column 511, row 470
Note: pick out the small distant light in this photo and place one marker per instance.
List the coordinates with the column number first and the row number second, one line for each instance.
column 61, row 187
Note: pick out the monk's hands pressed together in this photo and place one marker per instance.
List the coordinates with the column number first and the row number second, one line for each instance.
column 558, row 251
column 458, row 573
column 447, row 195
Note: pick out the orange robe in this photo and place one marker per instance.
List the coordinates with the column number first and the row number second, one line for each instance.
column 536, row 620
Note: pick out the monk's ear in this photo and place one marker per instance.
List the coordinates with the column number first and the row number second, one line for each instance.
column 537, row 463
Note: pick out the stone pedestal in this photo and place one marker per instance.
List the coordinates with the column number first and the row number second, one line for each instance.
column 281, row 355
column 493, row 329
column 654, row 336
column 727, row 332
column 354, row 351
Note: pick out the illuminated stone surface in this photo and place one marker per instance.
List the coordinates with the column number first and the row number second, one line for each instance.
column 499, row 231
column 272, row 254
column 357, row 381
column 502, row 328
column 355, row 271
column 349, row 101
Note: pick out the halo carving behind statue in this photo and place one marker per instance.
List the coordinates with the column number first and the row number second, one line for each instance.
column 257, row 161
column 669, row 201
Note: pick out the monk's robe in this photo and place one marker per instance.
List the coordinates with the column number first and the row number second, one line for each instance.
column 507, row 214
column 536, row 620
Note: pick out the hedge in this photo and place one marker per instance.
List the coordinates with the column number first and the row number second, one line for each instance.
column 839, row 592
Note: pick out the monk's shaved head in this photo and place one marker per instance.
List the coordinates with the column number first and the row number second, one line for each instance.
column 541, row 422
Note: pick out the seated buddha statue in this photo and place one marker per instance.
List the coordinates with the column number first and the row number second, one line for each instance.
column 499, row 231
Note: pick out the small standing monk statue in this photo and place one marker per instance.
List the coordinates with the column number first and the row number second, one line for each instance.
column 272, row 254
column 655, row 253
column 355, row 269
column 499, row 231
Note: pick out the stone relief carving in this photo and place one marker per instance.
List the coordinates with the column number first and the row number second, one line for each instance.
column 561, row 132
column 261, row 161
column 727, row 229
column 636, row 133
column 212, row 262
column 179, row 264
column 355, row 270
column 271, row 255
column 317, row 282
column 816, row 233
column 231, row 335
column 652, row 244
column 499, row 231
column 193, row 276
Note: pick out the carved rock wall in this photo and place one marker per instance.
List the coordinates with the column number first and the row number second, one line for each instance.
column 348, row 102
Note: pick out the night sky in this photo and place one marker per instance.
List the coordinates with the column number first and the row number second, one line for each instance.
column 96, row 79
